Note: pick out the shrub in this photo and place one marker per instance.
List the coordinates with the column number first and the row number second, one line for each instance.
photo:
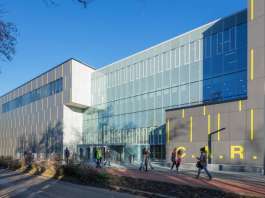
column 14, row 164
column 4, row 162
column 86, row 174
column 9, row 162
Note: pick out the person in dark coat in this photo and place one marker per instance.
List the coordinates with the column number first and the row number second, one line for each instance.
column 67, row 155
column 202, row 163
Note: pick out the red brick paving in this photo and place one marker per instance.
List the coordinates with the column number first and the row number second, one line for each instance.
column 228, row 185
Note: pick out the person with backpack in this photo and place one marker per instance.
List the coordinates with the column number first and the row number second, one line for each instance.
column 173, row 158
column 98, row 158
column 202, row 163
column 178, row 159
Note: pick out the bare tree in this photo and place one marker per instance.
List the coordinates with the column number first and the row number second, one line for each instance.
column 8, row 33
column 52, row 140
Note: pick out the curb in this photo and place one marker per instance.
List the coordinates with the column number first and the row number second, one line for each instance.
column 139, row 192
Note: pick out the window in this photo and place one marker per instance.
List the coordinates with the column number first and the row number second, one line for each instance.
column 207, row 46
column 157, row 66
column 225, row 73
column 36, row 94
column 132, row 72
column 233, row 38
column 143, row 70
column 173, row 58
column 187, row 53
column 219, row 42
column 227, row 41
column 182, row 54
column 160, row 66
column 137, row 70
column 214, row 45
column 152, row 66
column 177, row 57
column 166, row 63
column 192, row 51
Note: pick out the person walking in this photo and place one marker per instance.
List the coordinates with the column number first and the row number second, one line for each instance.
column 107, row 158
column 144, row 152
column 178, row 159
column 146, row 160
column 202, row 163
column 67, row 155
column 173, row 158
column 149, row 159
column 98, row 158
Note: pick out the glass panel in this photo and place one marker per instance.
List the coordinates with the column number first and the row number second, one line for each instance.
column 36, row 94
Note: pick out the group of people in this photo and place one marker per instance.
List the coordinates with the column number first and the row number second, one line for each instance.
column 176, row 157
column 99, row 158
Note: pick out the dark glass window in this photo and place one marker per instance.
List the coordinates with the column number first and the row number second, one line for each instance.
column 225, row 72
column 36, row 94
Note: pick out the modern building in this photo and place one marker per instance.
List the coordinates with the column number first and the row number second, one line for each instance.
column 130, row 97
column 46, row 113
column 172, row 95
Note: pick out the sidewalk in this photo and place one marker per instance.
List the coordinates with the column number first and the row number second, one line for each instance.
column 241, row 183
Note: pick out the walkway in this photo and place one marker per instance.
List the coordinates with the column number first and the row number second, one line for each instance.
column 240, row 183
column 13, row 184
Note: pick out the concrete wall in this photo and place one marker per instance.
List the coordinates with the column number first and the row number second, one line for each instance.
column 73, row 127
column 256, row 43
column 33, row 120
column 242, row 119
column 80, row 99
column 237, row 133
column 81, row 84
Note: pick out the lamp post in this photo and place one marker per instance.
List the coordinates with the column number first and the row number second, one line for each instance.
column 210, row 144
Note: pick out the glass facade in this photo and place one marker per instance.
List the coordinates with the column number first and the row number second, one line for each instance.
column 129, row 97
column 37, row 94
column 225, row 61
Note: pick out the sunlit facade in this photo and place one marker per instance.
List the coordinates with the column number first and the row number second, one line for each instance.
column 45, row 114
column 129, row 97
column 171, row 95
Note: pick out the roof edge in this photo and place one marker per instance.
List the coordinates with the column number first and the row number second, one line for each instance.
column 58, row 65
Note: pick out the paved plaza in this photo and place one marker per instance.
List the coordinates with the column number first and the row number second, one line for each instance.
column 13, row 184
column 249, row 184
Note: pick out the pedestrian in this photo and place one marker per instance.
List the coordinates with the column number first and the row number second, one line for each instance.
column 143, row 159
column 149, row 159
column 107, row 157
column 98, row 158
column 202, row 163
column 178, row 159
column 146, row 160
column 67, row 155
column 173, row 158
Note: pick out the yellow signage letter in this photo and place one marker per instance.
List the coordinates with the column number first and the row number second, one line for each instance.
column 237, row 150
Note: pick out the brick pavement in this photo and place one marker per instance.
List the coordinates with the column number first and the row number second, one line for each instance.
column 229, row 183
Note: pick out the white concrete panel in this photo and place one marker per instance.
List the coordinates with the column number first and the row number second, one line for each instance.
column 81, row 84
column 72, row 126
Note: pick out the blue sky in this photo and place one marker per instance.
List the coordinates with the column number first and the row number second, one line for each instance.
column 107, row 30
